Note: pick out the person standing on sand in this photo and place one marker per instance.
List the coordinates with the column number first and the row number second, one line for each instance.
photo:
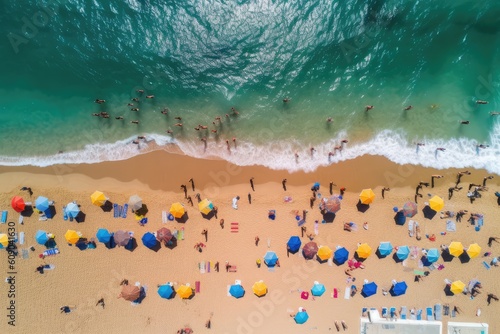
column 384, row 190
column 215, row 210
column 331, row 187
column 184, row 188
column 486, row 179
column 342, row 191
column 283, row 183
column 251, row 183
column 311, row 201
column 303, row 230
column 435, row 177
column 257, row 239
column 221, row 223
column 100, row 302
column 490, row 297
column 216, row 267
column 491, row 239
column 227, row 266
column 190, row 200
column 205, row 233
column 249, row 198
column 192, row 183
column 459, row 176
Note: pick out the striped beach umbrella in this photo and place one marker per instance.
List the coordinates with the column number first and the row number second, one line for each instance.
column 205, row 207
column 410, row 209
column 330, row 204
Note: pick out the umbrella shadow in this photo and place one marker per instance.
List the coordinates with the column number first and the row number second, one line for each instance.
column 80, row 217
column 28, row 211
column 172, row 243
column 142, row 211
column 464, row 257
column 107, row 206
column 425, row 261
column 396, row 258
column 338, row 263
column 208, row 216
column 111, row 243
column 156, row 247
column 321, row 261
column 183, row 219
column 358, row 258
column 380, row 256
column 400, row 218
column 362, row 207
column 51, row 243
column 329, row 217
column 82, row 244
column 447, row 257
column 142, row 295
column 50, row 212
column 132, row 245
column 447, row 291
column 428, row 212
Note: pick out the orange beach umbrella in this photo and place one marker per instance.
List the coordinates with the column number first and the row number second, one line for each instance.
column 259, row 288
column 177, row 210
column 367, row 196
column 364, row 250
column 98, row 198
column 72, row 236
column 185, row 291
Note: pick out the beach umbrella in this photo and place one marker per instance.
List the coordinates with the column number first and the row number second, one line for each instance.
column 103, row 235
column 164, row 234
column 41, row 237
column 72, row 209
column 259, row 288
column 403, row 252
column 72, row 236
column 177, row 210
column 293, row 244
column 385, row 248
column 474, row 250
column 166, row 291
column 204, row 206
column 398, row 289
column 4, row 240
column 331, row 204
column 121, row 238
column 456, row 248
column 301, row 317
column 367, row 196
column 270, row 258
column 42, row 203
column 457, row 287
column 310, row 250
column 318, row 289
column 432, row 255
column 364, row 251
column 340, row 255
column 18, row 203
column 237, row 291
column 436, row 203
column 135, row 202
column 369, row 289
column 410, row 209
column 185, row 291
column 130, row 292
column 324, row 253
column 149, row 240
column 98, row 198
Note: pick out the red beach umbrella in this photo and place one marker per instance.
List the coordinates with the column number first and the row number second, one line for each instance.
column 310, row 250
column 18, row 203
column 164, row 234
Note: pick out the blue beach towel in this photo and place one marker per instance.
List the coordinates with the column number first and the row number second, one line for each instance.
column 65, row 214
column 4, row 216
column 125, row 209
column 430, row 316
column 403, row 312
column 419, row 314
column 115, row 210
column 486, row 265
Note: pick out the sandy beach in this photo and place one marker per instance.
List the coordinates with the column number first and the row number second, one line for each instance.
column 81, row 278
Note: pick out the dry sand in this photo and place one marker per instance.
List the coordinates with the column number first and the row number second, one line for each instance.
column 80, row 278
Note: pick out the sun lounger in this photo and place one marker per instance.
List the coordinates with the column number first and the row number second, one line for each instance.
column 411, row 230
column 419, row 314
column 438, row 312
column 385, row 312
column 4, row 216
column 430, row 316
column 201, row 266
column 65, row 214
column 347, row 293
column 233, row 269
column 446, row 309
column 124, row 212
column 486, row 265
column 115, row 210
column 21, row 238
column 393, row 313
column 413, row 314
column 403, row 312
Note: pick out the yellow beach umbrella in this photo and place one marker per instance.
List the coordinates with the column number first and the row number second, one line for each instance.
column 456, row 248
column 364, row 251
column 457, row 287
column 367, row 196
column 205, row 206
column 72, row 236
column 177, row 210
column 98, row 198
column 259, row 288
column 436, row 203
column 474, row 250
column 324, row 253
column 185, row 291
column 4, row 240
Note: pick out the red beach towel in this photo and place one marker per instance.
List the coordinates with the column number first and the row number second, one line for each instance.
column 197, row 286
column 234, row 227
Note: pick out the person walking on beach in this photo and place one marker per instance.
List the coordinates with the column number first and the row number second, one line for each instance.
column 459, row 176
column 28, row 189
column 190, row 200
column 311, row 201
column 491, row 297
column 283, row 183
column 184, row 188
column 491, row 239
column 384, row 190
column 303, row 230
column 216, row 267
column 331, row 187
column 435, row 177
column 251, row 183
column 205, row 233
column 342, row 191
column 192, row 183
column 486, row 178
column 100, row 302
column 249, row 198
column 257, row 239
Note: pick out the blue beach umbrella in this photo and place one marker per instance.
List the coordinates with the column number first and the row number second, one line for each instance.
column 340, row 255
column 166, row 291
column 385, row 248
column 432, row 255
column 41, row 237
column 103, row 235
column 149, row 240
column 237, row 291
column 270, row 258
column 72, row 210
column 301, row 317
column 42, row 203
column 318, row 289
column 398, row 289
column 294, row 244
column 369, row 289
column 403, row 252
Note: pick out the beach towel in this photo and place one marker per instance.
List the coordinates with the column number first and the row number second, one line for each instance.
column 21, row 238
column 208, row 266
column 164, row 219
column 115, row 210
column 301, row 222
column 316, row 227
column 411, row 228
column 21, row 219
column 335, row 293
column 65, row 214
column 181, row 234
column 50, row 252
column 393, row 313
column 403, row 312
column 124, row 211
column 430, row 316
column 419, row 272
column 235, row 203
column 438, row 312
column 347, row 292
column 486, row 265
column 4, row 216
column 25, row 254
column 234, row 227
column 419, row 314
column 201, row 266
column 451, row 226
column 197, row 287
column 385, row 312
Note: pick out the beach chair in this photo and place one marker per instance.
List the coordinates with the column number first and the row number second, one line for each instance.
column 430, row 315
column 413, row 314
column 446, row 309
column 438, row 312
column 419, row 314
column 385, row 312
column 115, row 210
column 403, row 312
column 124, row 212
column 393, row 313
column 364, row 312
column 4, row 216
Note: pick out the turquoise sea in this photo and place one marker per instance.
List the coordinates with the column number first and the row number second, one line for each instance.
column 201, row 58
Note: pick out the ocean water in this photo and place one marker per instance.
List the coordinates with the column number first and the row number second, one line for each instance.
column 202, row 58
